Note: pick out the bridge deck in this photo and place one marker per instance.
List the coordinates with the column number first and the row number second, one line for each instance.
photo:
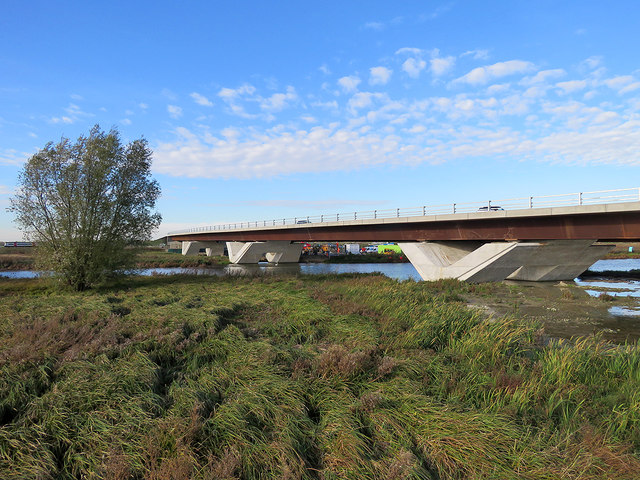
column 607, row 222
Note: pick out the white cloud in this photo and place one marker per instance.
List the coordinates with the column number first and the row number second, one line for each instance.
column 543, row 76
column 441, row 65
column 409, row 51
column 379, row 75
column 4, row 190
column 361, row 100
column 413, row 66
column 174, row 111
column 279, row 101
column 498, row 88
column 349, row 84
column 592, row 62
column 483, row 75
column 324, row 69
column 201, row 99
column 143, row 106
column 232, row 96
column 622, row 84
column 63, row 119
column 125, row 121
column 629, row 88
column 616, row 83
column 232, row 93
column 275, row 152
column 333, row 105
column 572, row 86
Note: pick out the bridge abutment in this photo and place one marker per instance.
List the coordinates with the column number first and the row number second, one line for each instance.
column 274, row 251
column 473, row 261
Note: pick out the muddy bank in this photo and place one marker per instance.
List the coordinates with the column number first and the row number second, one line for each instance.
column 565, row 309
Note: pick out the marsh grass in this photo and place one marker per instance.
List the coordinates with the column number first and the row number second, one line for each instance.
column 324, row 377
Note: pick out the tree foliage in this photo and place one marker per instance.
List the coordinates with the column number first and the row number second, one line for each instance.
column 86, row 203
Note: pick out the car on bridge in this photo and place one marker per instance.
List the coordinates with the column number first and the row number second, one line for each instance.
column 490, row 208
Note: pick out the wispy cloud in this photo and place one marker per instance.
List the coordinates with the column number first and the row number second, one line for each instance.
column 174, row 111
column 73, row 113
column 12, row 157
column 483, row 75
column 571, row 86
column 476, row 54
column 544, row 76
column 378, row 26
column 201, row 99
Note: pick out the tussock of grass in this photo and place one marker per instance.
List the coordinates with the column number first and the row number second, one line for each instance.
column 331, row 377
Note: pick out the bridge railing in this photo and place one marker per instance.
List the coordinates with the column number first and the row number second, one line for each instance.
column 521, row 203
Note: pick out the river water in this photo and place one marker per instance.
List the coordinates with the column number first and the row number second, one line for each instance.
column 398, row 271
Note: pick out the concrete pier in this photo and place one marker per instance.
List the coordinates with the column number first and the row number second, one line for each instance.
column 473, row 261
column 273, row 251
column 211, row 248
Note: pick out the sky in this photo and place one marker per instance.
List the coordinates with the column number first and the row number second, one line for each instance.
column 258, row 110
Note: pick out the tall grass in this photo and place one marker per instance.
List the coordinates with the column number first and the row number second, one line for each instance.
column 327, row 377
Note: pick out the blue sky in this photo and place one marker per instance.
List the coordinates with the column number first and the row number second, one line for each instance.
column 259, row 110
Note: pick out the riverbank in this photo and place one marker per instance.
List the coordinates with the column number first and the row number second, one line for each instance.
column 14, row 259
column 312, row 377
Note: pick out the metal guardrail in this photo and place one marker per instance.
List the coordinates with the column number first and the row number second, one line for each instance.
column 523, row 203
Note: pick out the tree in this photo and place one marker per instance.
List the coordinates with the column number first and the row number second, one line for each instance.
column 86, row 203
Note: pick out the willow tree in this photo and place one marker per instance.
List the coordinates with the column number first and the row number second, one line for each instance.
column 85, row 204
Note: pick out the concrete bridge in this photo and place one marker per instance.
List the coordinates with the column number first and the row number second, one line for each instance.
column 546, row 238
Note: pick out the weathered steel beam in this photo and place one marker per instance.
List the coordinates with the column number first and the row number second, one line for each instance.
column 605, row 226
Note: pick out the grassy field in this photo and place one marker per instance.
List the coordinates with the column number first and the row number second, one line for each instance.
column 323, row 377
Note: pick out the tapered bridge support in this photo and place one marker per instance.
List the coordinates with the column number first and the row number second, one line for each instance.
column 471, row 261
column 273, row 251
column 211, row 248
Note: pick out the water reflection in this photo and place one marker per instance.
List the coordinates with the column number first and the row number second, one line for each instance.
column 625, row 311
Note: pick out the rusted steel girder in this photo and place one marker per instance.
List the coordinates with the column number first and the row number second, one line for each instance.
column 601, row 226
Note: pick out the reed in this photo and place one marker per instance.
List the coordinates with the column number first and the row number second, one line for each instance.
column 325, row 377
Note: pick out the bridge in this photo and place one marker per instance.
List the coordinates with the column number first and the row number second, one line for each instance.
column 544, row 238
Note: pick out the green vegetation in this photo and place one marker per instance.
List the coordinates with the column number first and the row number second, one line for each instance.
column 10, row 259
column 84, row 203
column 17, row 258
column 154, row 258
column 323, row 377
